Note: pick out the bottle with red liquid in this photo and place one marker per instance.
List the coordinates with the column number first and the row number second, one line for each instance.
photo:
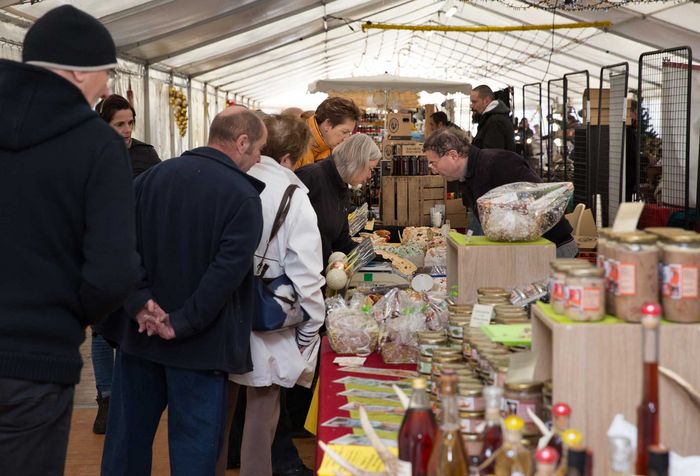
column 648, row 410
column 493, row 432
column 561, row 415
column 417, row 432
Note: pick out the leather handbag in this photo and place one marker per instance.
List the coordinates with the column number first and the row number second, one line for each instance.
column 277, row 303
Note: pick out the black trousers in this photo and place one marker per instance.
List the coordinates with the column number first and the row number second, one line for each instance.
column 34, row 427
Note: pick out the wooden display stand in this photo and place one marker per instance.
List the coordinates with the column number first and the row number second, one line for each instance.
column 406, row 200
column 484, row 263
column 597, row 369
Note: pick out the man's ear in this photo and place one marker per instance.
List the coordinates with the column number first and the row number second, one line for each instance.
column 242, row 143
column 78, row 76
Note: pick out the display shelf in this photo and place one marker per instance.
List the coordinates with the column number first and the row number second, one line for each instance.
column 484, row 263
column 596, row 368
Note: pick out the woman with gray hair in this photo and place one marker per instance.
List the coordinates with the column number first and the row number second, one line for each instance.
column 350, row 164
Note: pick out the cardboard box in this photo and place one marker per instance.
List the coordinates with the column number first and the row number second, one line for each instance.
column 398, row 124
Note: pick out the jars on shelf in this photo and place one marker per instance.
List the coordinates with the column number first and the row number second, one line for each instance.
column 519, row 397
column 557, row 282
column 585, row 291
column 680, row 284
column 637, row 256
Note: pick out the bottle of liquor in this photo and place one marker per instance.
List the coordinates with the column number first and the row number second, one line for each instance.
column 571, row 440
column 417, row 432
column 648, row 411
column 658, row 461
column 620, row 456
column 512, row 458
column 449, row 457
column 493, row 434
column 561, row 414
column 546, row 461
column 577, row 463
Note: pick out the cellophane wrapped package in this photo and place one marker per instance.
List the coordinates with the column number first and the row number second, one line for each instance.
column 523, row 211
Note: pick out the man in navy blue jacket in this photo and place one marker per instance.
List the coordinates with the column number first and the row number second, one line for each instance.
column 67, row 242
column 187, row 325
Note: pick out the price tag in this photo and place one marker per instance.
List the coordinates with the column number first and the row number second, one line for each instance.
column 481, row 315
column 627, row 217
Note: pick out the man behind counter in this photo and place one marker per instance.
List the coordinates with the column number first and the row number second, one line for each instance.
column 450, row 154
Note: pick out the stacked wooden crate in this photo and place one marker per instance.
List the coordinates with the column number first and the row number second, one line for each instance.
column 407, row 200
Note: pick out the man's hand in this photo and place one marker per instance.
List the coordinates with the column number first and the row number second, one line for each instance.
column 154, row 320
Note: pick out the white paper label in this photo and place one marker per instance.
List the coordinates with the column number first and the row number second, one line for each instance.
column 481, row 315
column 403, row 468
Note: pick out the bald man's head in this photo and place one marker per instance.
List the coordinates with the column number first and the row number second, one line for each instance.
column 240, row 134
column 232, row 122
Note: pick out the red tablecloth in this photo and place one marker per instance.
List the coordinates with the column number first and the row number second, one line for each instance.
column 328, row 399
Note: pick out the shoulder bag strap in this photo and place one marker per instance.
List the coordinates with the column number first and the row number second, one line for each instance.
column 282, row 212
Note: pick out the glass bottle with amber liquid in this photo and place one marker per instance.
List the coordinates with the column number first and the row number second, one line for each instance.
column 493, row 432
column 449, row 457
column 512, row 458
column 648, row 410
column 561, row 415
column 417, row 432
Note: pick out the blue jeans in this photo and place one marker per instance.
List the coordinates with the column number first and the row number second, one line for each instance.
column 103, row 365
column 196, row 402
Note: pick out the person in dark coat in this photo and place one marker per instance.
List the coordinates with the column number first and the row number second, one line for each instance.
column 118, row 113
column 67, row 237
column 350, row 164
column 187, row 325
column 495, row 129
column 479, row 171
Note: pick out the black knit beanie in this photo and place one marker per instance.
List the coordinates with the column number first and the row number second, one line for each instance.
column 70, row 39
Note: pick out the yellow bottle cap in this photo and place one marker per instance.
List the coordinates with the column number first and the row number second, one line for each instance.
column 513, row 423
column 572, row 438
column 419, row 383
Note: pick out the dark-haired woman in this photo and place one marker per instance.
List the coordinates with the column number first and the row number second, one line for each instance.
column 119, row 113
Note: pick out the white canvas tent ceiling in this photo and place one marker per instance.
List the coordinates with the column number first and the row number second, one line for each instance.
column 270, row 50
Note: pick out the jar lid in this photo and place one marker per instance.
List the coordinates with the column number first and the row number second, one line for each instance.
column 459, row 318
column 684, row 238
column 447, row 358
column 638, row 238
column 519, row 387
column 485, row 291
column 663, row 231
column 472, row 415
column 586, row 272
column 563, row 264
column 432, row 339
column 467, row 389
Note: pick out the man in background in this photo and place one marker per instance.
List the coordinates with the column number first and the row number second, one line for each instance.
column 67, row 241
column 495, row 130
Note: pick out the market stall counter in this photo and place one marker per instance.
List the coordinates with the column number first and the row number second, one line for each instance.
column 329, row 402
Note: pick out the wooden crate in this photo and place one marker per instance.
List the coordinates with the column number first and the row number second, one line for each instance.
column 406, row 200
column 597, row 369
column 456, row 212
column 489, row 264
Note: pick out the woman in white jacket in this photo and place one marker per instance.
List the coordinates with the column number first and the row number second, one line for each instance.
column 284, row 357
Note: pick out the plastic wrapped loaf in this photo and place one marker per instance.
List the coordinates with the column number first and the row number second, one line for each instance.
column 352, row 331
column 523, row 211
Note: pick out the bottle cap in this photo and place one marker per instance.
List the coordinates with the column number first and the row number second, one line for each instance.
column 651, row 309
column 513, row 423
column 658, row 460
column 572, row 438
column 561, row 409
column 419, row 383
column 547, row 455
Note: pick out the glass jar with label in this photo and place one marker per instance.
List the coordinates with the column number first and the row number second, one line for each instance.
column 637, row 257
column 557, row 282
column 585, row 290
column 429, row 340
column 680, row 284
column 469, row 396
column 456, row 323
column 518, row 397
column 425, row 364
column 469, row 422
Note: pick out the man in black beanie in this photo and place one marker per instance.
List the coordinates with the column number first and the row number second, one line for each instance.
column 67, row 238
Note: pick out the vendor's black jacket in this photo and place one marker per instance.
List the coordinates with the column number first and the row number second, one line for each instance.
column 495, row 129
column 330, row 197
column 143, row 157
column 67, row 241
column 488, row 169
column 198, row 222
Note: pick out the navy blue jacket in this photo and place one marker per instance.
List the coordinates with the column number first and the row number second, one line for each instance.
column 198, row 223
column 67, row 242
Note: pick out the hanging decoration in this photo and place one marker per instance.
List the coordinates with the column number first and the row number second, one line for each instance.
column 571, row 5
column 484, row 29
column 178, row 104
